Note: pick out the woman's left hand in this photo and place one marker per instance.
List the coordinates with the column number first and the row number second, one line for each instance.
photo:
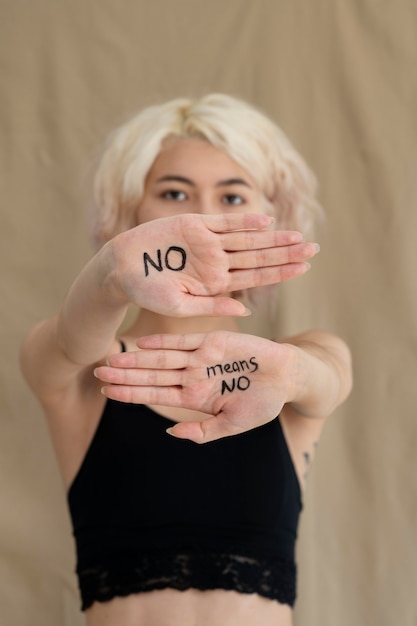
column 241, row 381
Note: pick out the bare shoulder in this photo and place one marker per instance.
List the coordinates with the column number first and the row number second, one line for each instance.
column 48, row 369
column 68, row 393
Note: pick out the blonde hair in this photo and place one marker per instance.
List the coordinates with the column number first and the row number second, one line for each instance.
column 237, row 128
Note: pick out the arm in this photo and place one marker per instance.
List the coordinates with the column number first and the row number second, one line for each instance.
column 58, row 349
column 241, row 381
column 322, row 374
column 210, row 255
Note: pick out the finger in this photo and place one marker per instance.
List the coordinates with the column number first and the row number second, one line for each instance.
column 251, row 240
column 149, row 359
column 165, row 396
column 246, row 279
column 203, row 432
column 138, row 377
column 238, row 221
column 272, row 256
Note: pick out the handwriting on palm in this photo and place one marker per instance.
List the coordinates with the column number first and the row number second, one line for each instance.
column 194, row 263
column 242, row 381
column 181, row 265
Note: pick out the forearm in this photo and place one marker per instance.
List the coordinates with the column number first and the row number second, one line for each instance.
column 91, row 313
column 322, row 376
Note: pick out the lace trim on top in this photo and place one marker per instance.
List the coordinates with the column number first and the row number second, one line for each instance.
column 272, row 578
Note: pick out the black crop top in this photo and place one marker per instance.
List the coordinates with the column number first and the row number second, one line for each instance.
column 150, row 511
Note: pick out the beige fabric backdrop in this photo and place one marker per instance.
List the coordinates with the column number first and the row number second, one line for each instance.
column 340, row 77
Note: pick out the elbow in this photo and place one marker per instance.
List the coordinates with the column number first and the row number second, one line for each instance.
column 342, row 359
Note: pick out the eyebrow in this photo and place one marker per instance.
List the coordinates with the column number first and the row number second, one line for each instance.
column 222, row 183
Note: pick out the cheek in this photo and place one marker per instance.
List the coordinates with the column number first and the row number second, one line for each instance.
column 153, row 210
column 148, row 210
column 143, row 214
column 140, row 215
column 267, row 207
column 261, row 205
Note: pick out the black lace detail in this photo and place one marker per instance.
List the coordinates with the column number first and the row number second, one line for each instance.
column 272, row 578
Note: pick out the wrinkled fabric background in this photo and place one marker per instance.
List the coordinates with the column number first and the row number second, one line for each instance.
column 340, row 78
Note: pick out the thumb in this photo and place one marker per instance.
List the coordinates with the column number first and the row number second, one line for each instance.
column 208, row 430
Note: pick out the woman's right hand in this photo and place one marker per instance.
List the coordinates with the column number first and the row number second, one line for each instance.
column 183, row 265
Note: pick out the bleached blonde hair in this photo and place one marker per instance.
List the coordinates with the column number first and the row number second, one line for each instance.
column 240, row 130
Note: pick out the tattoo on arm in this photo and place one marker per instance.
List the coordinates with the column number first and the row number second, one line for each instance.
column 308, row 460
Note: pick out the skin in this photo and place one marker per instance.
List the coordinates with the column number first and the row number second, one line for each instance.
column 198, row 199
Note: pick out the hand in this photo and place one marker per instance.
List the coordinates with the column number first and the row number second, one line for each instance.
column 181, row 265
column 240, row 380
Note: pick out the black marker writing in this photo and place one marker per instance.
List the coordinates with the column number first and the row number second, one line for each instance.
column 236, row 366
column 175, row 259
column 242, row 383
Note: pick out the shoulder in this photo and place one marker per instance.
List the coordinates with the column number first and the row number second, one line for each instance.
column 47, row 368
column 68, row 393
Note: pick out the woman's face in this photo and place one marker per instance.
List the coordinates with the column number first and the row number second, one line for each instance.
column 192, row 176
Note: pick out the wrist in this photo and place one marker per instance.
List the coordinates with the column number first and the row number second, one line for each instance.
column 300, row 375
column 289, row 367
column 322, row 373
column 109, row 272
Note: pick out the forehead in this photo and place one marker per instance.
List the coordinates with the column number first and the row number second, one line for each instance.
column 195, row 159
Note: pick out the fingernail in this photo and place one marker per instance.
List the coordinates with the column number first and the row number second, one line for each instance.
column 317, row 247
column 247, row 312
column 308, row 266
column 169, row 431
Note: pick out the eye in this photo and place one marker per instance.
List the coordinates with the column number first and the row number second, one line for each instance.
column 175, row 194
column 233, row 199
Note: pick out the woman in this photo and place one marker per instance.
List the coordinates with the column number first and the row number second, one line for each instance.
column 169, row 532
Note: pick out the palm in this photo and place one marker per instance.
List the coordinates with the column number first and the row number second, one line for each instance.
column 180, row 266
column 240, row 380
column 208, row 272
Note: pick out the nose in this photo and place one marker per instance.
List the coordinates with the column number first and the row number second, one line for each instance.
column 207, row 205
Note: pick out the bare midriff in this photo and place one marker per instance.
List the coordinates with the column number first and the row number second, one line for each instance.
column 169, row 607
